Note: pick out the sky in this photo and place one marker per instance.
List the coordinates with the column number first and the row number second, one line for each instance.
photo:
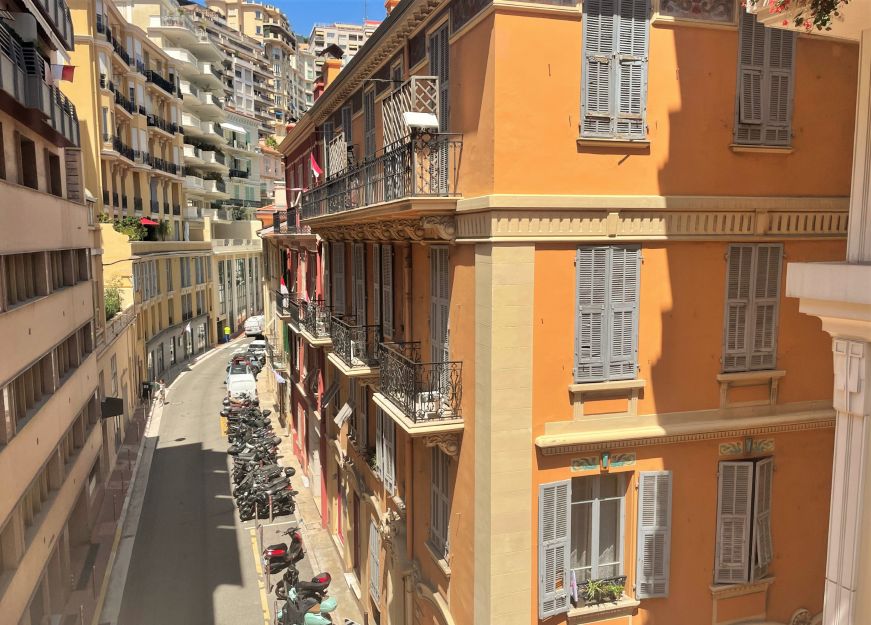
column 304, row 13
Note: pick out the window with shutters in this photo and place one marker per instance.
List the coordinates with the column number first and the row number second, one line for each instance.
column 597, row 526
column 374, row 562
column 346, row 125
column 376, row 279
column 338, row 271
column 440, row 503
column 358, row 303
column 654, row 534
column 615, row 47
column 385, row 450
column 387, row 289
column 744, row 547
column 606, row 313
column 750, row 321
column 766, row 75
column 369, row 123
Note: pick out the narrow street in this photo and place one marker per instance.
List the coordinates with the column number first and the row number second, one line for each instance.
column 193, row 561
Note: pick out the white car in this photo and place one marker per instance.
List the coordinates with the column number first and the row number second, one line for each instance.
column 254, row 326
column 241, row 384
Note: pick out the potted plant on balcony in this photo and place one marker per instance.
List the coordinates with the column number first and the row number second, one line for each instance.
column 599, row 591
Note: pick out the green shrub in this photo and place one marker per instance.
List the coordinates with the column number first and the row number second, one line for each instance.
column 112, row 298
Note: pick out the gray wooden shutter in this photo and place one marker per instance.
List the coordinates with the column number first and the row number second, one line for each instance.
column 765, row 83
column 439, row 65
column 554, row 538
column 599, row 75
column 654, row 534
column 439, row 303
column 389, row 449
column 325, row 259
column 387, row 288
column 360, row 284
column 738, row 282
column 779, row 87
column 369, row 122
column 766, row 295
column 763, row 552
column 632, row 45
column 339, row 278
column 591, row 266
column 379, row 439
column 374, row 562
column 623, row 279
column 376, row 278
column 735, row 490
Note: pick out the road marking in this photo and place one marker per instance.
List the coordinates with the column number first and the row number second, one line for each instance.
column 264, row 600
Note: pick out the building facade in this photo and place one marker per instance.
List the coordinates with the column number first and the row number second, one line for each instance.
column 538, row 345
column 349, row 37
column 49, row 396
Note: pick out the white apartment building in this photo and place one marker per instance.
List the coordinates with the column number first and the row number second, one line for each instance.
column 349, row 37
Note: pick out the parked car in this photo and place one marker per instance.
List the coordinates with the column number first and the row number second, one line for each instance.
column 241, row 382
column 254, row 326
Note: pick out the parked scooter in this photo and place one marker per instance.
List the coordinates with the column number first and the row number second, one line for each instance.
column 280, row 555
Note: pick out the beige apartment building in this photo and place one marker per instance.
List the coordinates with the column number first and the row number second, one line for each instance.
column 349, row 37
column 268, row 24
column 50, row 442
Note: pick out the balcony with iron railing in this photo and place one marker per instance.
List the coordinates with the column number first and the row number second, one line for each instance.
column 355, row 347
column 155, row 121
column 316, row 318
column 123, row 149
column 22, row 77
column 422, row 167
column 141, row 157
column 165, row 84
column 290, row 223
column 287, row 307
column 124, row 102
column 60, row 19
column 118, row 47
column 419, row 394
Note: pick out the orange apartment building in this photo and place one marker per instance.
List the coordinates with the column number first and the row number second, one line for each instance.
column 537, row 354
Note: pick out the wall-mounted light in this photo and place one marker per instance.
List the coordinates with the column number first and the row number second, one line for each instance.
column 606, row 460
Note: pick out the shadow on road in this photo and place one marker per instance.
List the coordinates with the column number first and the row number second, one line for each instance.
column 186, row 545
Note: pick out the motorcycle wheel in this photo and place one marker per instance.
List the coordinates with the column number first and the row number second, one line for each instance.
column 280, row 591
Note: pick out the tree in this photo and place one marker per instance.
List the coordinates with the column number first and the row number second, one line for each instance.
column 112, row 298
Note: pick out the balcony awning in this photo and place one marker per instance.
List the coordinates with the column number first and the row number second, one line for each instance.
column 233, row 127
column 145, row 221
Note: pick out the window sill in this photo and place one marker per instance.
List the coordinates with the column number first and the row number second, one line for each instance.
column 769, row 377
column 760, row 149
column 603, row 612
column 606, row 387
column 585, row 142
column 440, row 562
column 725, row 591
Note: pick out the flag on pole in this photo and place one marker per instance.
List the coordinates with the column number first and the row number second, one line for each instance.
column 316, row 170
column 63, row 72
column 283, row 288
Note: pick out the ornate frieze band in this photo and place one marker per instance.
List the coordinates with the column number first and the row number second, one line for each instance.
column 433, row 228
column 551, row 224
column 572, row 448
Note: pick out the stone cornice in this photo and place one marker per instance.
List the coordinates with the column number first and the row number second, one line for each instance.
column 432, row 228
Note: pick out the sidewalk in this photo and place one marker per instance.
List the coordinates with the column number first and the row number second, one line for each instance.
column 321, row 554
column 88, row 563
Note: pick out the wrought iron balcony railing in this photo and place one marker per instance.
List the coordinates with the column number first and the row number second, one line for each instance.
column 423, row 391
column 288, row 306
column 124, row 103
column 155, row 78
column 156, row 121
column 316, row 319
column 411, row 168
column 356, row 345
column 122, row 148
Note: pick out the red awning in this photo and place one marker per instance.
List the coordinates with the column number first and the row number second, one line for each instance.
column 145, row 221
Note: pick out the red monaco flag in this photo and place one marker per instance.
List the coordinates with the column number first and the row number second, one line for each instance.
column 316, row 170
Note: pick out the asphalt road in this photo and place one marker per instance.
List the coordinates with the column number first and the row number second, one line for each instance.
column 193, row 561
